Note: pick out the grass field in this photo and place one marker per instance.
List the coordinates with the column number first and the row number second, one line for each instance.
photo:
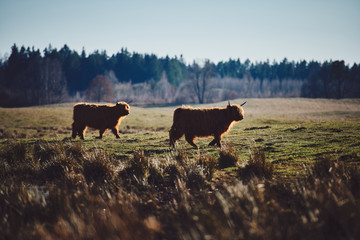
column 292, row 163
column 292, row 131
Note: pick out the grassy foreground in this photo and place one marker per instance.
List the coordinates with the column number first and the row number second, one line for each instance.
column 290, row 169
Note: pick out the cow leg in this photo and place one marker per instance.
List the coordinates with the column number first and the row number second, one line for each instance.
column 190, row 140
column 172, row 141
column 74, row 130
column 101, row 132
column 216, row 140
column 81, row 131
column 115, row 132
column 174, row 136
column 213, row 142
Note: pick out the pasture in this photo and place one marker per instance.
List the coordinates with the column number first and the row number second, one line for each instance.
column 291, row 131
column 137, row 186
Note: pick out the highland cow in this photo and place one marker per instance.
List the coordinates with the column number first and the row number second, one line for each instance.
column 101, row 117
column 204, row 122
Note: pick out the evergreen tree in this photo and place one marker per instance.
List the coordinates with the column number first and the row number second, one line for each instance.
column 29, row 78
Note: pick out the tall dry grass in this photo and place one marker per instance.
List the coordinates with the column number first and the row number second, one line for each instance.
column 61, row 190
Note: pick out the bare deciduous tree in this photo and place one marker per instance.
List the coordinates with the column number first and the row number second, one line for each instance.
column 100, row 90
column 200, row 78
column 52, row 87
column 163, row 90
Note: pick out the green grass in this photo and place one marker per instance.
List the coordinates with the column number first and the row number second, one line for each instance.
column 292, row 163
column 292, row 132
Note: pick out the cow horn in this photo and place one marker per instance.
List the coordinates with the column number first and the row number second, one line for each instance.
column 243, row 104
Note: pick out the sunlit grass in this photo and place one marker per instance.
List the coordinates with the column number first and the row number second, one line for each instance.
column 273, row 124
column 292, row 167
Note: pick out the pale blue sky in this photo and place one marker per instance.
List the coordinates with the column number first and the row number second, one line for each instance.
column 198, row 29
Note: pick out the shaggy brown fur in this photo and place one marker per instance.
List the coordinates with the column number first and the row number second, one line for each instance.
column 203, row 122
column 100, row 117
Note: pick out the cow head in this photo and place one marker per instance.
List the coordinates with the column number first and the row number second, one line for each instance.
column 236, row 112
column 123, row 108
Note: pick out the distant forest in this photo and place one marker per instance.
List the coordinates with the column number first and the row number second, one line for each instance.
column 31, row 77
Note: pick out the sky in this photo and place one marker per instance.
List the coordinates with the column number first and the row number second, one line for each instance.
column 259, row 30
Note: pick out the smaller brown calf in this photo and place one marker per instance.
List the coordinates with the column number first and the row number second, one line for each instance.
column 204, row 122
column 100, row 117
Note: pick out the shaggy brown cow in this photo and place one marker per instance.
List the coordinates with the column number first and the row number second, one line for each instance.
column 100, row 117
column 204, row 122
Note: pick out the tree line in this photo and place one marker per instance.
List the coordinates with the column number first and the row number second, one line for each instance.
column 31, row 77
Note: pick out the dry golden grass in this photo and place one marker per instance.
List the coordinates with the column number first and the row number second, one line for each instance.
column 63, row 190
